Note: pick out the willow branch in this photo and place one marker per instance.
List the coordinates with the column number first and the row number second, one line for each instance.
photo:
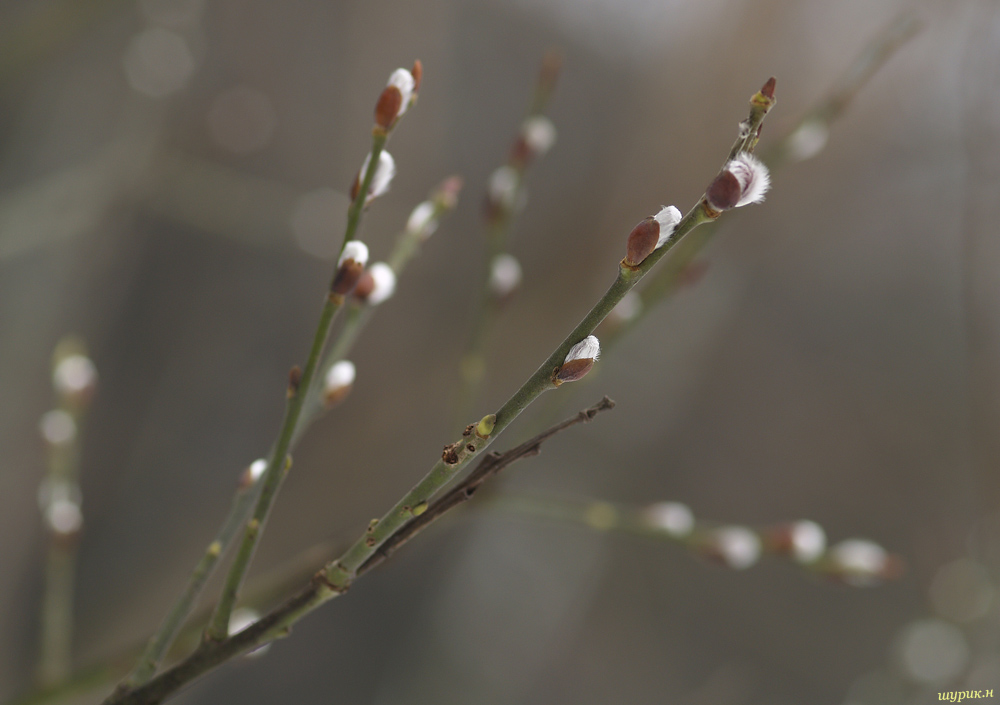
column 806, row 138
column 336, row 577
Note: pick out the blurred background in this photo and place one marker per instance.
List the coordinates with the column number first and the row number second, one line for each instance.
column 172, row 189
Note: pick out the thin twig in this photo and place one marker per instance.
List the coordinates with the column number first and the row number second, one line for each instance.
column 464, row 490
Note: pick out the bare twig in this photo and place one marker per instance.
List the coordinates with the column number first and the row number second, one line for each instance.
column 464, row 490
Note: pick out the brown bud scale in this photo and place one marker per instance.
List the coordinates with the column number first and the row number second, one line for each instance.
column 574, row 370
column 641, row 242
column 768, row 90
column 387, row 107
column 724, row 192
column 347, row 277
column 418, row 74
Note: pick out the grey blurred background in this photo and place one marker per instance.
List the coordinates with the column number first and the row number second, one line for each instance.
column 840, row 361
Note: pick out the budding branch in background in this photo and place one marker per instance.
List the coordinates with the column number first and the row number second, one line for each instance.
column 855, row 562
column 501, row 272
column 74, row 380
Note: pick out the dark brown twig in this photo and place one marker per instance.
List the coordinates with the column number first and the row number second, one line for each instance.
column 489, row 466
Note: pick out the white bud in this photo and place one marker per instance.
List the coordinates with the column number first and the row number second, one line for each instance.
column 736, row 546
column 502, row 186
column 57, row 427
column 385, row 283
column 341, row 374
column 422, row 221
column 753, row 177
column 672, row 517
column 257, row 469
column 63, row 516
column 355, row 250
column 859, row 562
column 667, row 220
column 403, row 80
column 539, row 134
column 808, row 541
column 74, row 374
column 587, row 349
column 808, row 141
column 384, row 171
column 505, row 275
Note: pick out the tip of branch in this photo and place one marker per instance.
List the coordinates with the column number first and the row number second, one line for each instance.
column 768, row 90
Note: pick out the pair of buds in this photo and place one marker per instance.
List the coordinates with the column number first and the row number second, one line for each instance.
column 372, row 285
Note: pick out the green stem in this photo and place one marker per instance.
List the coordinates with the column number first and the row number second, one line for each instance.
column 57, row 613
column 218, row 627
column 160, row 642
column 357, row 316
column 357, row 207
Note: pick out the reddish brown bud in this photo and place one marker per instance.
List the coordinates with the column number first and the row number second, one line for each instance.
column 641, row 242
column 418, row 74
column 574, row 370
column 347, row 277
column 294, row 380
column 768, row 90
column 365, row 286
column 387, row 107
column 355, row 187
column 724, row 192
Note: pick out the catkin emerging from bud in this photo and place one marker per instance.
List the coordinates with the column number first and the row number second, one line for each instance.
column 579, row 361
column 743, row 180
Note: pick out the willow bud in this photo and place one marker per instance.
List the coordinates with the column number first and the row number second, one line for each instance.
column 579, row 361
